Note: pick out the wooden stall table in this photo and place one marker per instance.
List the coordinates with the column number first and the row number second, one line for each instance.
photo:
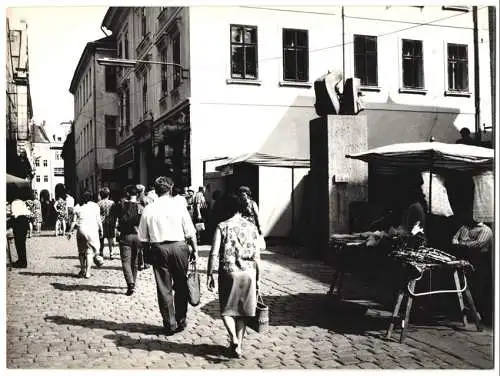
column 409, row 265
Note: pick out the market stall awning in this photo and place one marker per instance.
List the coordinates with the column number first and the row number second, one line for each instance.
column 425, row 155
column 267, row 160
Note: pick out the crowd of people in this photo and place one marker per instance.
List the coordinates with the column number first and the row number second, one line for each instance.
column 160, row 226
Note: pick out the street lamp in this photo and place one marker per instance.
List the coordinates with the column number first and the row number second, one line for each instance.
column 130, row 63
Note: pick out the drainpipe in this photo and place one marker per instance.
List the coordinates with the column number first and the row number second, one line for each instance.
column 477, row 100
column 493, row 67
column 95, row 122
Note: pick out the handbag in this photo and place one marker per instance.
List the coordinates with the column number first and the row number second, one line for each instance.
column 259, row 322
column 200, row 226
column 194, row 286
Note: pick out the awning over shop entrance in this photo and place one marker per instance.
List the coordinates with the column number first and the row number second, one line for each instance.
column 261, row 159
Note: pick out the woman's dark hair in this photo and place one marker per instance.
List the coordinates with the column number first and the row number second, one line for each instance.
column 130, row 190
column 85, row 197
column 104, row 192
column 234, row 204
column 44, row 195
column 60, row 191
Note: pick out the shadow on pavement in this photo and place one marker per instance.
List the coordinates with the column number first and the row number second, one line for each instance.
column 131, row 327
column 65, row 257
column 320, row 310
column 48, row 274
column 308, row 267
column 211, row 352
column 101, row 289
column 109, row 267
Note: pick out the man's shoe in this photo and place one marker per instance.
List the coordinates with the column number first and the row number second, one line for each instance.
column 130, row 290
column 181, row 325
column 169, row 332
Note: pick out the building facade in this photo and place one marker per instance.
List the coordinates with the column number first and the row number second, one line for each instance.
column 19, row 110
column 250, row 87
column 95, row 117
column 47, row 155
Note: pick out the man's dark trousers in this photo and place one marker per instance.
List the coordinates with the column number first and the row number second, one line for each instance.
column 20, row 228
column 170, row 263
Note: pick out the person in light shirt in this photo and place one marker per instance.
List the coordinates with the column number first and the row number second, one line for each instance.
column 20, row 217
column 164, row 228
column 88, row 220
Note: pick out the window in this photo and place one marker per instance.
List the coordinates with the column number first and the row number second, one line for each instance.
column 145, row 92
column 243, row 51
column 164, row 73
column 295, row 55
column 143, row 22
column 176, row 58
column 37, row 162
column 110, row 124
column 458, row 67
column 365, row 59
column 110, row 79
column 59, row 139
column 59, row 171
column 37, row 178
column 45, row 178
column 45, row 163
column 413, row 64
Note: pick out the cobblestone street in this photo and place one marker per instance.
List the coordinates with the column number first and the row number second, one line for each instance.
column 55, row 320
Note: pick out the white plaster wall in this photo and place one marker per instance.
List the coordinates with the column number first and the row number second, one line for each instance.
column 228, row 119
column 275, row 198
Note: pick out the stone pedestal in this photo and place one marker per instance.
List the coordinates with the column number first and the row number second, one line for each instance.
column 336, row 180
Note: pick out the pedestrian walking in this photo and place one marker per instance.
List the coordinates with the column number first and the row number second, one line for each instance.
column 20, row 219
column 87, row 219
column 165, row 226
column 37, row 214
column 108, row 221
column 61, row 209
column 128, row 213
column 237, row 246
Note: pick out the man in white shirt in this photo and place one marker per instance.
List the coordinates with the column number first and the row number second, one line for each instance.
column 20, row 215
column 164, row 228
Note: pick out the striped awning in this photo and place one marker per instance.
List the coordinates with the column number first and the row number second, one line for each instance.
column 425, row 155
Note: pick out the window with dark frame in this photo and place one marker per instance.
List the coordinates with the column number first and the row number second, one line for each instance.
column 295, row 55
column 143, row 22
column 37, row 162
column 110, row 125
column 145, row 92
column 37, row 178
column 45, row 178
column 176, row 58
column 413, row 64
column 458, row 67
column 110, row 79
column 45, row 163
column 244, row 52
column 164, row 73
column 365, row 59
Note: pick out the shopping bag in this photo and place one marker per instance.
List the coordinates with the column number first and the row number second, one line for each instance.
column 194, row 286
column 260, row 322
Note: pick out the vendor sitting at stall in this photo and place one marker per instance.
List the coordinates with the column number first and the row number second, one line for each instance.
column 473, row 242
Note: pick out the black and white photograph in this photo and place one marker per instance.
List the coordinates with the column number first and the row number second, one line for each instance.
column 251, row 186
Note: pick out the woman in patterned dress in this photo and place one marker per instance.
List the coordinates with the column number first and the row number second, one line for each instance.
column 37, row 214
column 108, row 221
column 236, row 243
